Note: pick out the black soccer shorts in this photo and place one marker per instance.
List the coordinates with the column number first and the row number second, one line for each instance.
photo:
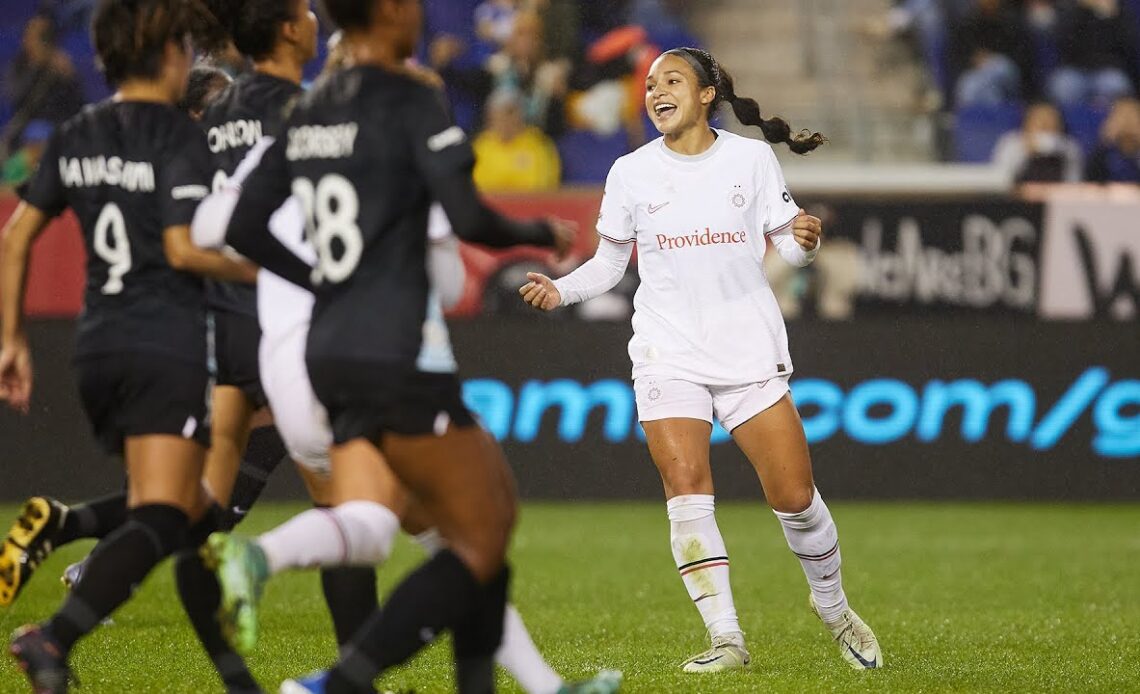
column 236, row 338
column 140, row 394
column 369, row 399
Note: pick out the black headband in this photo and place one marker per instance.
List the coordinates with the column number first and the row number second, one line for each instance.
column 689, row 55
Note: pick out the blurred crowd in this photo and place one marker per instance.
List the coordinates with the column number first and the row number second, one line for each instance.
column 1062, row 75
column 551, row 89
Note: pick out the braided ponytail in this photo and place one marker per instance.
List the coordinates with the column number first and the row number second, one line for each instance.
column 776, row 130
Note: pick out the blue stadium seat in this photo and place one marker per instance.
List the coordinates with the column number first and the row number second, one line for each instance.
column 977, row 129
column 1046, row 54
column 77, row 44
column 10, row 37
column 1083, row 123
column 587, row 158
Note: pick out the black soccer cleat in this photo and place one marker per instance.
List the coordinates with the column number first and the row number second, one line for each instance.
column 41, row 659
column 29, row 542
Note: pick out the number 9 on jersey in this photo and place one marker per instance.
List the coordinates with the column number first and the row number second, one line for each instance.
column 331, row 208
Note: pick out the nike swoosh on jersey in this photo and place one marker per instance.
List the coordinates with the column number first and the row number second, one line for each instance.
column 653, row 208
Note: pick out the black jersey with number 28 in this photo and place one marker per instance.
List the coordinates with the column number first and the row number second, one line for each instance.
column 251, row 108
column 130, row 170
column 366, row 152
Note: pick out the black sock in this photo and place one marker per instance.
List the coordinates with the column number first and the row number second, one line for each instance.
column 93, row 519
column 476, row 638
column 439, row 595
column 198, row 588
column 263, row 454
column 350, row 593
column 116, row 567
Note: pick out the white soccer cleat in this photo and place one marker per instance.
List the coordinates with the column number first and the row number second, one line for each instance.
column 857, row 643
column 727, row 653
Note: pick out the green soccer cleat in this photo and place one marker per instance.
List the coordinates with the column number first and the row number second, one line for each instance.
column 242, row 573
column 605, row 682
column 29, row 542
column 727, row 653
column 857, row 643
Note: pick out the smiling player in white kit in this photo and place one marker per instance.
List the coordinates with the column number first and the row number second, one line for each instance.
column 709, row 339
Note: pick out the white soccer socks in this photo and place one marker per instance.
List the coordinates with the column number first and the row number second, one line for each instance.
column 702, row 561
column 812, row 537
column 356, row 533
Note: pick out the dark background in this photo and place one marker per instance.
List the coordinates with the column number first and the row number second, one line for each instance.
column 51, row 450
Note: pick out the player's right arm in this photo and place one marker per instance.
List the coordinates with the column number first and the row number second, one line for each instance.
column 601, row 273
column 15, row 356
column 44, row 200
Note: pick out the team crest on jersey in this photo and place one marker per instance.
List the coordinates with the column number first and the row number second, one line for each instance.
column 737, row 197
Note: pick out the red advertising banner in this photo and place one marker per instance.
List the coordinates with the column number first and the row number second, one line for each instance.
column 57, row 274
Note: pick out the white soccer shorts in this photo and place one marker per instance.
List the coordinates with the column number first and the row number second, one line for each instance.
column 662, row 398
column 299, row 416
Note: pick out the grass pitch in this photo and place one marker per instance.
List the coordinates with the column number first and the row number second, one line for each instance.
column 978, row 597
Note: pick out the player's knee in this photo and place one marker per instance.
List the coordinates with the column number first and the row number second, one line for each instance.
column 165, row 526
column 792, row 499
column 484, row 549
column 686, row 478
column 371, row 531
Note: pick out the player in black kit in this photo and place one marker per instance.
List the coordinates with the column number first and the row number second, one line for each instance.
column 367, row 152
column 133, row 169
column 279, row 37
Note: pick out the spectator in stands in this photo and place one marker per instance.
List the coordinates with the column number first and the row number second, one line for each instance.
column 1040, row 152
column 495, row 20
column 1117, row 159
column 991, row 55
column 40, row 82
column 1099, row 54
column 523, row 67
column 511, row 156
column 520, row 65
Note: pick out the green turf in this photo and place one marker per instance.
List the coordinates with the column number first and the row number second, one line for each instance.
column 1002, row 598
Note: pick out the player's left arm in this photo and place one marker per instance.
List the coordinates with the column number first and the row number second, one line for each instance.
column 185, row 177
column 184, row 255
column 795, row 234
column 444, row 157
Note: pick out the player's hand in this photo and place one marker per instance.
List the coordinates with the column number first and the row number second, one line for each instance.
column 540, row 292
column 565, row 233
column 16, row 375
column 807, row 230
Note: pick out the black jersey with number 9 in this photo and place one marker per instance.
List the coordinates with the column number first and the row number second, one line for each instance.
column 130, row 170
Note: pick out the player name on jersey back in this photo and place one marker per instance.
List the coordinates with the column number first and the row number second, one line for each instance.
column 322, row 141
column 90, row 172
column 235, row 134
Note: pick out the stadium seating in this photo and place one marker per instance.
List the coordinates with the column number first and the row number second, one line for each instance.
column 587, row 158
column 979, row 127
column 1084, row 123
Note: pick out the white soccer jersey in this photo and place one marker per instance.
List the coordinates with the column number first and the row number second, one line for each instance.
column 704, row 311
